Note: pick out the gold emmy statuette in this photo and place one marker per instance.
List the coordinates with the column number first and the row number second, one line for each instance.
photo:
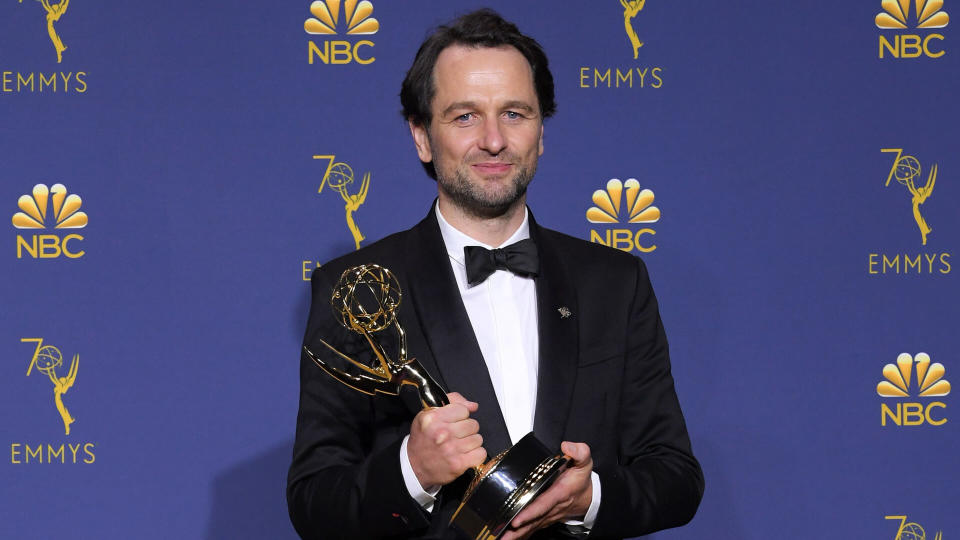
column 905, row 169
column 54, row 12
column 47, row 359
column 339, row 176
column 630, row 10
column 365, row 300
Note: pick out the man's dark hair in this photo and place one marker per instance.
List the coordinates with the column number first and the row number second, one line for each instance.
column 481, row 28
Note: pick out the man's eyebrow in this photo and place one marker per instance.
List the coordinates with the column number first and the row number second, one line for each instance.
column 457, row 106
column 515, row 104
column 522, row 105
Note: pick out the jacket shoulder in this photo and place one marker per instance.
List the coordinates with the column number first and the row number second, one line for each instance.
column 583, row 256
column 387, row 251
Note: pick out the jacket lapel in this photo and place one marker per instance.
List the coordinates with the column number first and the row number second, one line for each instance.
column 449, row 334
column 559, row 340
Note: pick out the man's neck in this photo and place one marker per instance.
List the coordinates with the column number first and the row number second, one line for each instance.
column 492, row 231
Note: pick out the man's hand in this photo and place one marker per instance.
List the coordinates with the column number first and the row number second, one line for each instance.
column 568, row 498
column 445, row 442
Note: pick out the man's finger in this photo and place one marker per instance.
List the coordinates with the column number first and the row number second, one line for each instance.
column 470, row 443
column 558, row 496
column 520, row 533
column 517, row 534
column 455, row 397
column 465, row 428
column 451, row 413
column 475, row 457
column 540, row 506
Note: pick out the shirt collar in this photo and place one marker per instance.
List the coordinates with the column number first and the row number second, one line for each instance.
column 455, row 241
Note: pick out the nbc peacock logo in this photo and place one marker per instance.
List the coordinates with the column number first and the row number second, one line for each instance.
column 65, row 215
column 326, row 21
column 326, row 14
column 638, row 209
column 913, row 376
column 897, row 13
column 52, row 208
column 619, row 203
column 925, row 15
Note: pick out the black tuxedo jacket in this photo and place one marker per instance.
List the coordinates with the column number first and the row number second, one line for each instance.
column 604, row 379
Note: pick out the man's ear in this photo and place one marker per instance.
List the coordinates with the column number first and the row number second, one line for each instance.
column 541, row 139
column 421, row 140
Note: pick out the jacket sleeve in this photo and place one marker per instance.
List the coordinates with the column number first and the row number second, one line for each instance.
column 656, row 483
column 345, row 479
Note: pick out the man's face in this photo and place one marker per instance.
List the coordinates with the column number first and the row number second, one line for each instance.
column 486, row 133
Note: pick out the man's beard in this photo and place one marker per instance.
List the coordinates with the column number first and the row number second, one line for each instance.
column 474, row 200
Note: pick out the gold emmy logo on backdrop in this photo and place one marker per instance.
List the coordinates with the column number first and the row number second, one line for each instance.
column 630, row 10
column 897, row 15
column 629, row 76
column 339, row 176
column 611, row 208
column 62, row 213
column 47, row 358
column 911, row 531
column 327, row 13
column 42, row 81
column 929, row 382
column 906, row 169
column 54, row 12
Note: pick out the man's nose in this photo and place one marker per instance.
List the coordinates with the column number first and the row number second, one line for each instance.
column 492, row 139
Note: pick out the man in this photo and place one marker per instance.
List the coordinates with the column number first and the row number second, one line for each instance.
column 550, row 347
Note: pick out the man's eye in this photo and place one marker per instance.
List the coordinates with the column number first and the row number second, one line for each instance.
column 513, row 115
column 465, row 117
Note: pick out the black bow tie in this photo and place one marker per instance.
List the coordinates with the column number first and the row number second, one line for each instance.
column 520, row 258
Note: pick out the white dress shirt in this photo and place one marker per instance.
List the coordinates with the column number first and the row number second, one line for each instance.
column 503, row 314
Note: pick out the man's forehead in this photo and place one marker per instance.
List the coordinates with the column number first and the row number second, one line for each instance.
column 480, row 65
column 461, row 50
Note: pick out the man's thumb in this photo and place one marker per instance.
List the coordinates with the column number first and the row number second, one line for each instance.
column 580, row 452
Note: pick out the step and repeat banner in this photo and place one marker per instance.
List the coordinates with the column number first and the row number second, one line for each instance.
column 171, row 174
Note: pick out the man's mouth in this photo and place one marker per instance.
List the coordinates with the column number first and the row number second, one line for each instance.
column 492, row 167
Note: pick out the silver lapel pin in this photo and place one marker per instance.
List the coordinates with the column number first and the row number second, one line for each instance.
column 564, row 312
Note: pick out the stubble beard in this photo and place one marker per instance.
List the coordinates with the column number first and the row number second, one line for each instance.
column 481, row 203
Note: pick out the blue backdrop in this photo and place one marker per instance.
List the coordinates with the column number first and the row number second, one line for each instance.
column 791, row 256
